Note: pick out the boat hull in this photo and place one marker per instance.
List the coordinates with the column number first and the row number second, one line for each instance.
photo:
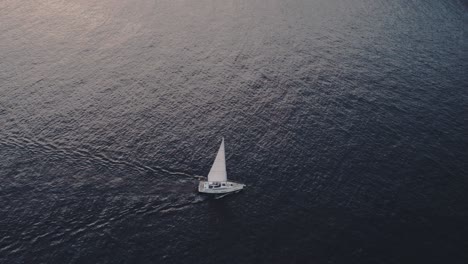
column 219, row 187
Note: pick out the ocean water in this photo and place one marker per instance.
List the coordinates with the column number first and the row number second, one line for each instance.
column 347, row 119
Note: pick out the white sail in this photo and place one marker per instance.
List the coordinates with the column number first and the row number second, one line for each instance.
column 218, row 170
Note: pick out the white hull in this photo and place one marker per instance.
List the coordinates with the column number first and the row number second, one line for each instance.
column 219, row 187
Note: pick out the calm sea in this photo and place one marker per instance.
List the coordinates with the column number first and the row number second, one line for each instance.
column 347, row 119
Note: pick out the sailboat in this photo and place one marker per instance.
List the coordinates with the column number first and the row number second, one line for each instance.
column 217, row 182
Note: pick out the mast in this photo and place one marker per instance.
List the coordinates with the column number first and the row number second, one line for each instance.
column 218, row 170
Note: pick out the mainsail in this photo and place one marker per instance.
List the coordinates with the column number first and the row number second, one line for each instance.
column 218, row 170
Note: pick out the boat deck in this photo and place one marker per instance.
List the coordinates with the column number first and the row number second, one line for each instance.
column 219, row 187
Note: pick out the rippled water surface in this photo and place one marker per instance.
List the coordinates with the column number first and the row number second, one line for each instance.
column 347, row 119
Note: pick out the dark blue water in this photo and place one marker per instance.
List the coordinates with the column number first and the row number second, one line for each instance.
column 347, row 119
